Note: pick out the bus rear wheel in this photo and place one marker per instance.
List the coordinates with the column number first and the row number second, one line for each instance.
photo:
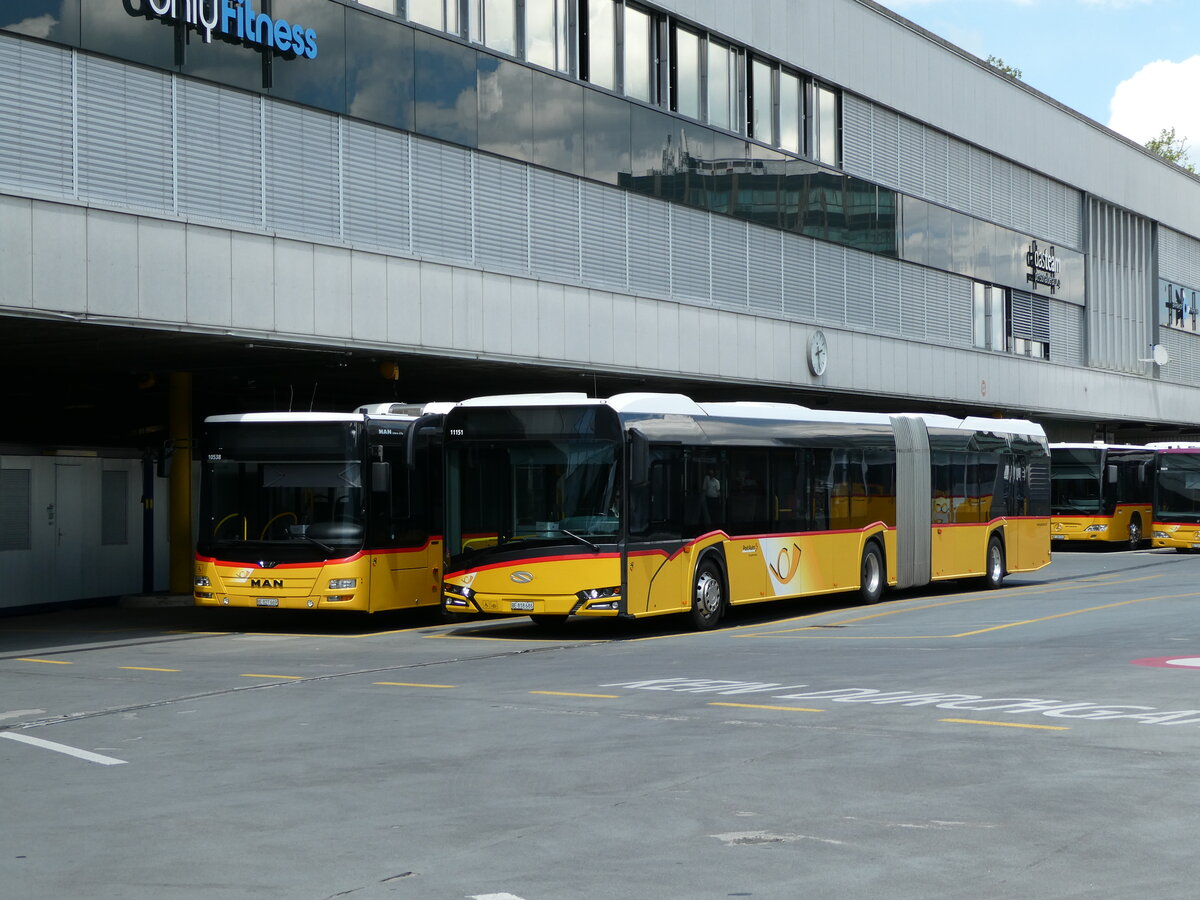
column 1135, row 533
column 994, row 573
column 708, row 596
column 870, row 586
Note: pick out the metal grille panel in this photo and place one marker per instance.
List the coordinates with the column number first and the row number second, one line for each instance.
column 35, row 117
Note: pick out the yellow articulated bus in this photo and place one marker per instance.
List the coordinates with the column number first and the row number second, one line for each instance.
column 1100, row 493
column 1176, row 496
column 559, row 505
column 321, row 510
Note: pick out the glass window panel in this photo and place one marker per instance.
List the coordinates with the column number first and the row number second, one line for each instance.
column 762, row 105
column 789, row 112
column 998, row 328
column 387, row 6
column 602, row 43
column 979, row 297
column 446, row 101
column 654, row 149
column 606, row 136
column 51, row 20
column 638, row 58
column 379, row 70
column 541, row 32
column 319, row 82
column 562, row 33
column 558, row 123
column 500, row 26
column 720, row 79
column 505, row 108
column 826, row 143
column 427, row 12
column 110, row 29
column 687, row 73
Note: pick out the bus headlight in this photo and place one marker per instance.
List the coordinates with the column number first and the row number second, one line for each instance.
column 342, row 584
column 601, row 598
column 1096, row 528
column 202, row 581
column 458, row 590
column 1162, row 535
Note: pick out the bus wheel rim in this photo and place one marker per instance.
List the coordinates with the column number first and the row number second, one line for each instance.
column 708, row 593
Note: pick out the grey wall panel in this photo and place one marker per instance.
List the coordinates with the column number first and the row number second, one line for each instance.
column 1067, row 333
column 467, row 293
column 799, row 278
column 376, row 168
column 649, row 245
column 441, row 197
column 524, row 298
column 577, row 344
column 1178, row 257
column 729, row 259
column 368, row 295
column 36, row 125
column 1184, row 367
column 303, row 191
column 604, row 232
column 295, row 292
column 830, row 283
column 501, row 213
column 126, row 123
column 497, row 314
column 764, row 263
column 252, row 303
column 554, row 225
column 162, row 255
column 551, row 319
column 16, row 252
column 219, row 153
column 690, row 256
column 333, row 288
column 59, row 257
column 411, row 322
column 624, row 322
column 600, row 328
column 667, row 336
column 209, row 276
column 112, row 265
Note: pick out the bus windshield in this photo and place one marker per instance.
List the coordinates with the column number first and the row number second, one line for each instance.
column 557, row 490
column 1076, row 481
column 1178, row 492
column 264, row 489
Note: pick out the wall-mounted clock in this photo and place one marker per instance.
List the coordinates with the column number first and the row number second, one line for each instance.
column 818, row 353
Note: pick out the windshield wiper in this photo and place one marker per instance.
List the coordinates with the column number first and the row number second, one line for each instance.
column 581, row 539
column 321, row 544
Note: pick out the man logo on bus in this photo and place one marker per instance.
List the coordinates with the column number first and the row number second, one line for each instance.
column 786, row 565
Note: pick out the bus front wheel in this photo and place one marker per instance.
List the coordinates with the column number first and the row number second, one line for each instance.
column 708, row 596
column 870, row 586
column 994, row 575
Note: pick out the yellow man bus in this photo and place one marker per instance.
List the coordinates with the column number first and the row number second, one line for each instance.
column 1100, row 493
column 650, row 504
column 1176, row 496
column 321, row 510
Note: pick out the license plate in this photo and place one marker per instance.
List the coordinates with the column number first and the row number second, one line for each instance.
column 521, row 606
column 1058, row 537
column 267, row 601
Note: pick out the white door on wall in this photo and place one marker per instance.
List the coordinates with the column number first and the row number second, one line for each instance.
column 66, row 517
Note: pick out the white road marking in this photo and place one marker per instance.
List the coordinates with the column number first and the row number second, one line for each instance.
column 494, row 897
column 63, row 748
column 20, row 713
column 1191, row 662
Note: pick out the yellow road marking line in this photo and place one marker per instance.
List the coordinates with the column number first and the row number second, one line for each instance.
column 760, row 706
column 414, row 684
column 1073, row 612
column 569, row 694
column 52, row 662
column 146, row 669
column 1007, row 724
column 282, row 677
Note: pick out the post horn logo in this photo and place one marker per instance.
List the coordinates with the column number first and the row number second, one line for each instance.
column 521, row 577
column 787, row 564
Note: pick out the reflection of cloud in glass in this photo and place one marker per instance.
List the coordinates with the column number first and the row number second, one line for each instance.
column 36, row 26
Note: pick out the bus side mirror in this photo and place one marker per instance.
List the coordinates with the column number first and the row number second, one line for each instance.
column 639, row 457
column 381, row 478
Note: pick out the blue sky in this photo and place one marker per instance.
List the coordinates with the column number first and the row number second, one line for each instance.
column 1133, row 65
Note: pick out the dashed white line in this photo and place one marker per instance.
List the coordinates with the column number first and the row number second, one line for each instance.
column 63, row 748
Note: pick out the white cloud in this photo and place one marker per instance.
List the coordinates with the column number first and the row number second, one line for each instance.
column 1160, row 95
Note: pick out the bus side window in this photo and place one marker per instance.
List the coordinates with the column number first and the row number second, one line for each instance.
column 655, row 508
column 820, row 480
column 787, row 491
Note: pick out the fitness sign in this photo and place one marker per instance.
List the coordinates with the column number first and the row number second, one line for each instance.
column 236, row 21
